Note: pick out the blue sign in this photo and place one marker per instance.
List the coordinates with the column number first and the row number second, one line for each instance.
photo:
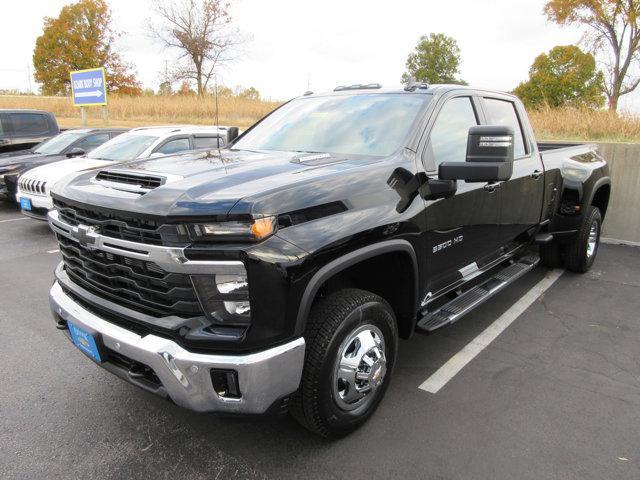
column 88, row 87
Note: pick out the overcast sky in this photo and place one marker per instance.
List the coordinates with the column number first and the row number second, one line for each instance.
column 291, row 43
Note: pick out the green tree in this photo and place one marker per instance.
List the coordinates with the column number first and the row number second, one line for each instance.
column 613, row 31
column 165, row 89
column 566, row 76
column 436, row 59
column 80, row 37
column 249, row 93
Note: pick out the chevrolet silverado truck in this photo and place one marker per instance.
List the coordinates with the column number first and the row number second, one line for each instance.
column 278, row 274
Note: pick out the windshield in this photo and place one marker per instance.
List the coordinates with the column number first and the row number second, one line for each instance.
column 57, row 144
column 123, row 147
column 365, row 124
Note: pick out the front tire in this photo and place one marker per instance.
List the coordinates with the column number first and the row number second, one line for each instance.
column 351, row 344
column 581, row 252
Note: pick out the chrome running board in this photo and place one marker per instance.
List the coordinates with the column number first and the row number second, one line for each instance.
column 467, row 301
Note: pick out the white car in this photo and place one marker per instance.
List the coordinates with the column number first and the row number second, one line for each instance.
column 34, row 185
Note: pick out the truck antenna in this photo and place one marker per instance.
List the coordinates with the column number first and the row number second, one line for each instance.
column 215, row 83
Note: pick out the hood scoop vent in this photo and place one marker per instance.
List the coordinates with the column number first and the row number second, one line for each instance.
column 128, row 181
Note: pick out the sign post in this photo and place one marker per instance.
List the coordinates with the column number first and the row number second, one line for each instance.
column 88, row 88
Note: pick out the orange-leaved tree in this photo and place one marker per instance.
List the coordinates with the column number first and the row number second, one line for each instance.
column 80, row 37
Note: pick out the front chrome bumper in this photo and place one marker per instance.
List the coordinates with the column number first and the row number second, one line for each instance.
column 264, row 377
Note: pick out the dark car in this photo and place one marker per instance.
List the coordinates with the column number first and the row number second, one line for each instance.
column 71, row 143
column 23, row 129
column 280, row 273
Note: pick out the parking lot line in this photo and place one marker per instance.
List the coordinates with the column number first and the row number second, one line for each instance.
column 456, row 363
column 14, row 219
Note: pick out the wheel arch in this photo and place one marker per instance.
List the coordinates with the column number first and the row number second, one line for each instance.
column 402, row 300
column 600, row 195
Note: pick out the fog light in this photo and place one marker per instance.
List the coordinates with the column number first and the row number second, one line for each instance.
column 225, row 383
column 224, row 298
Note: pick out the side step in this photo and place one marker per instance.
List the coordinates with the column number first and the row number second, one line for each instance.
column 470, row 299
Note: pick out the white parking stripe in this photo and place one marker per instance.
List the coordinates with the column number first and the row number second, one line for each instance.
column 456, row 363
column 14, row 219
column 53, row 251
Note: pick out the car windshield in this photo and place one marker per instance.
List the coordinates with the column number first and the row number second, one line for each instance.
column 123, row 147
column 57, row 144
column 363, row 124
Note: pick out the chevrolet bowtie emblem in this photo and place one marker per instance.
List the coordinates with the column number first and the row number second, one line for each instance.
column 85, row 235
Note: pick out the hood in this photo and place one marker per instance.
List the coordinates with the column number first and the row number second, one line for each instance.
column 28, row 158
column 10, row 155
column 233, row 182
column 52, row 172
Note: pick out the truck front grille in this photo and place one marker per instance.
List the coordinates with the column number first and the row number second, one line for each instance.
column 130, row 229
column 136, row 284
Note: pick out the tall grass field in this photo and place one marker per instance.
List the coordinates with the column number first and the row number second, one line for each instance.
column 549, row 124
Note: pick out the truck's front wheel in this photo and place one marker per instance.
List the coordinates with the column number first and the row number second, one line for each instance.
column 352, row 340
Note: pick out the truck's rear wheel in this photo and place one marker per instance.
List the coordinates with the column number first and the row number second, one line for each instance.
column 581, row 252
column 351, row 339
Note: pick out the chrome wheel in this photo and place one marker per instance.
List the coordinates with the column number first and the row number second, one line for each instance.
column 360, row 367
column 592, row 242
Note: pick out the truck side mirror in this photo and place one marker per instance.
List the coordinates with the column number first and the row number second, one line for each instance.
column 232, row 134
column 408, row 186
column 489, row 156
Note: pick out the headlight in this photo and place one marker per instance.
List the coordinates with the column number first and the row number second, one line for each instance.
column 240, row 230
column 8, row 169
column 224, row 298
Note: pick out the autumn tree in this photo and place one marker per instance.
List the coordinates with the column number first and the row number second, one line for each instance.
column 435, row 59
column 566, row 76
column 80, row 37
column 201, row 31
column 613, row 33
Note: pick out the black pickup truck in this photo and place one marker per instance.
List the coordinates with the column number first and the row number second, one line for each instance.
column 23, row 129
column 278, row 274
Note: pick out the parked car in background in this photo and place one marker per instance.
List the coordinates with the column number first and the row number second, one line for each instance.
column 34, row 185
column 68, row 144
column 23, row 129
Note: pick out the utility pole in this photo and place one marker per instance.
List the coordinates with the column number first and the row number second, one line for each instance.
column 29, row 76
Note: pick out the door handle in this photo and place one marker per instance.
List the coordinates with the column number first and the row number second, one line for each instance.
column 491, row 187
column 536, row 174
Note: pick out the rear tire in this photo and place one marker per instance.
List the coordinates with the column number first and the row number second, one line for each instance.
column 581, row 252
column 351, row 344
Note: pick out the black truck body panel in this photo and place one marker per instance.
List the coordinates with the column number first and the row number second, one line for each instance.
column 340, row 221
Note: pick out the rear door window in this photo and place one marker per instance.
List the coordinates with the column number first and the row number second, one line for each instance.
column 503, row 112
column 208, row 142
column 29, row 124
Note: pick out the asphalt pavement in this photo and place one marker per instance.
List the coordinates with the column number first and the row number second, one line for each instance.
column 555, row 396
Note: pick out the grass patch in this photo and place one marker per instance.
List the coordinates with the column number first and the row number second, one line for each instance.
column 549, row 124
